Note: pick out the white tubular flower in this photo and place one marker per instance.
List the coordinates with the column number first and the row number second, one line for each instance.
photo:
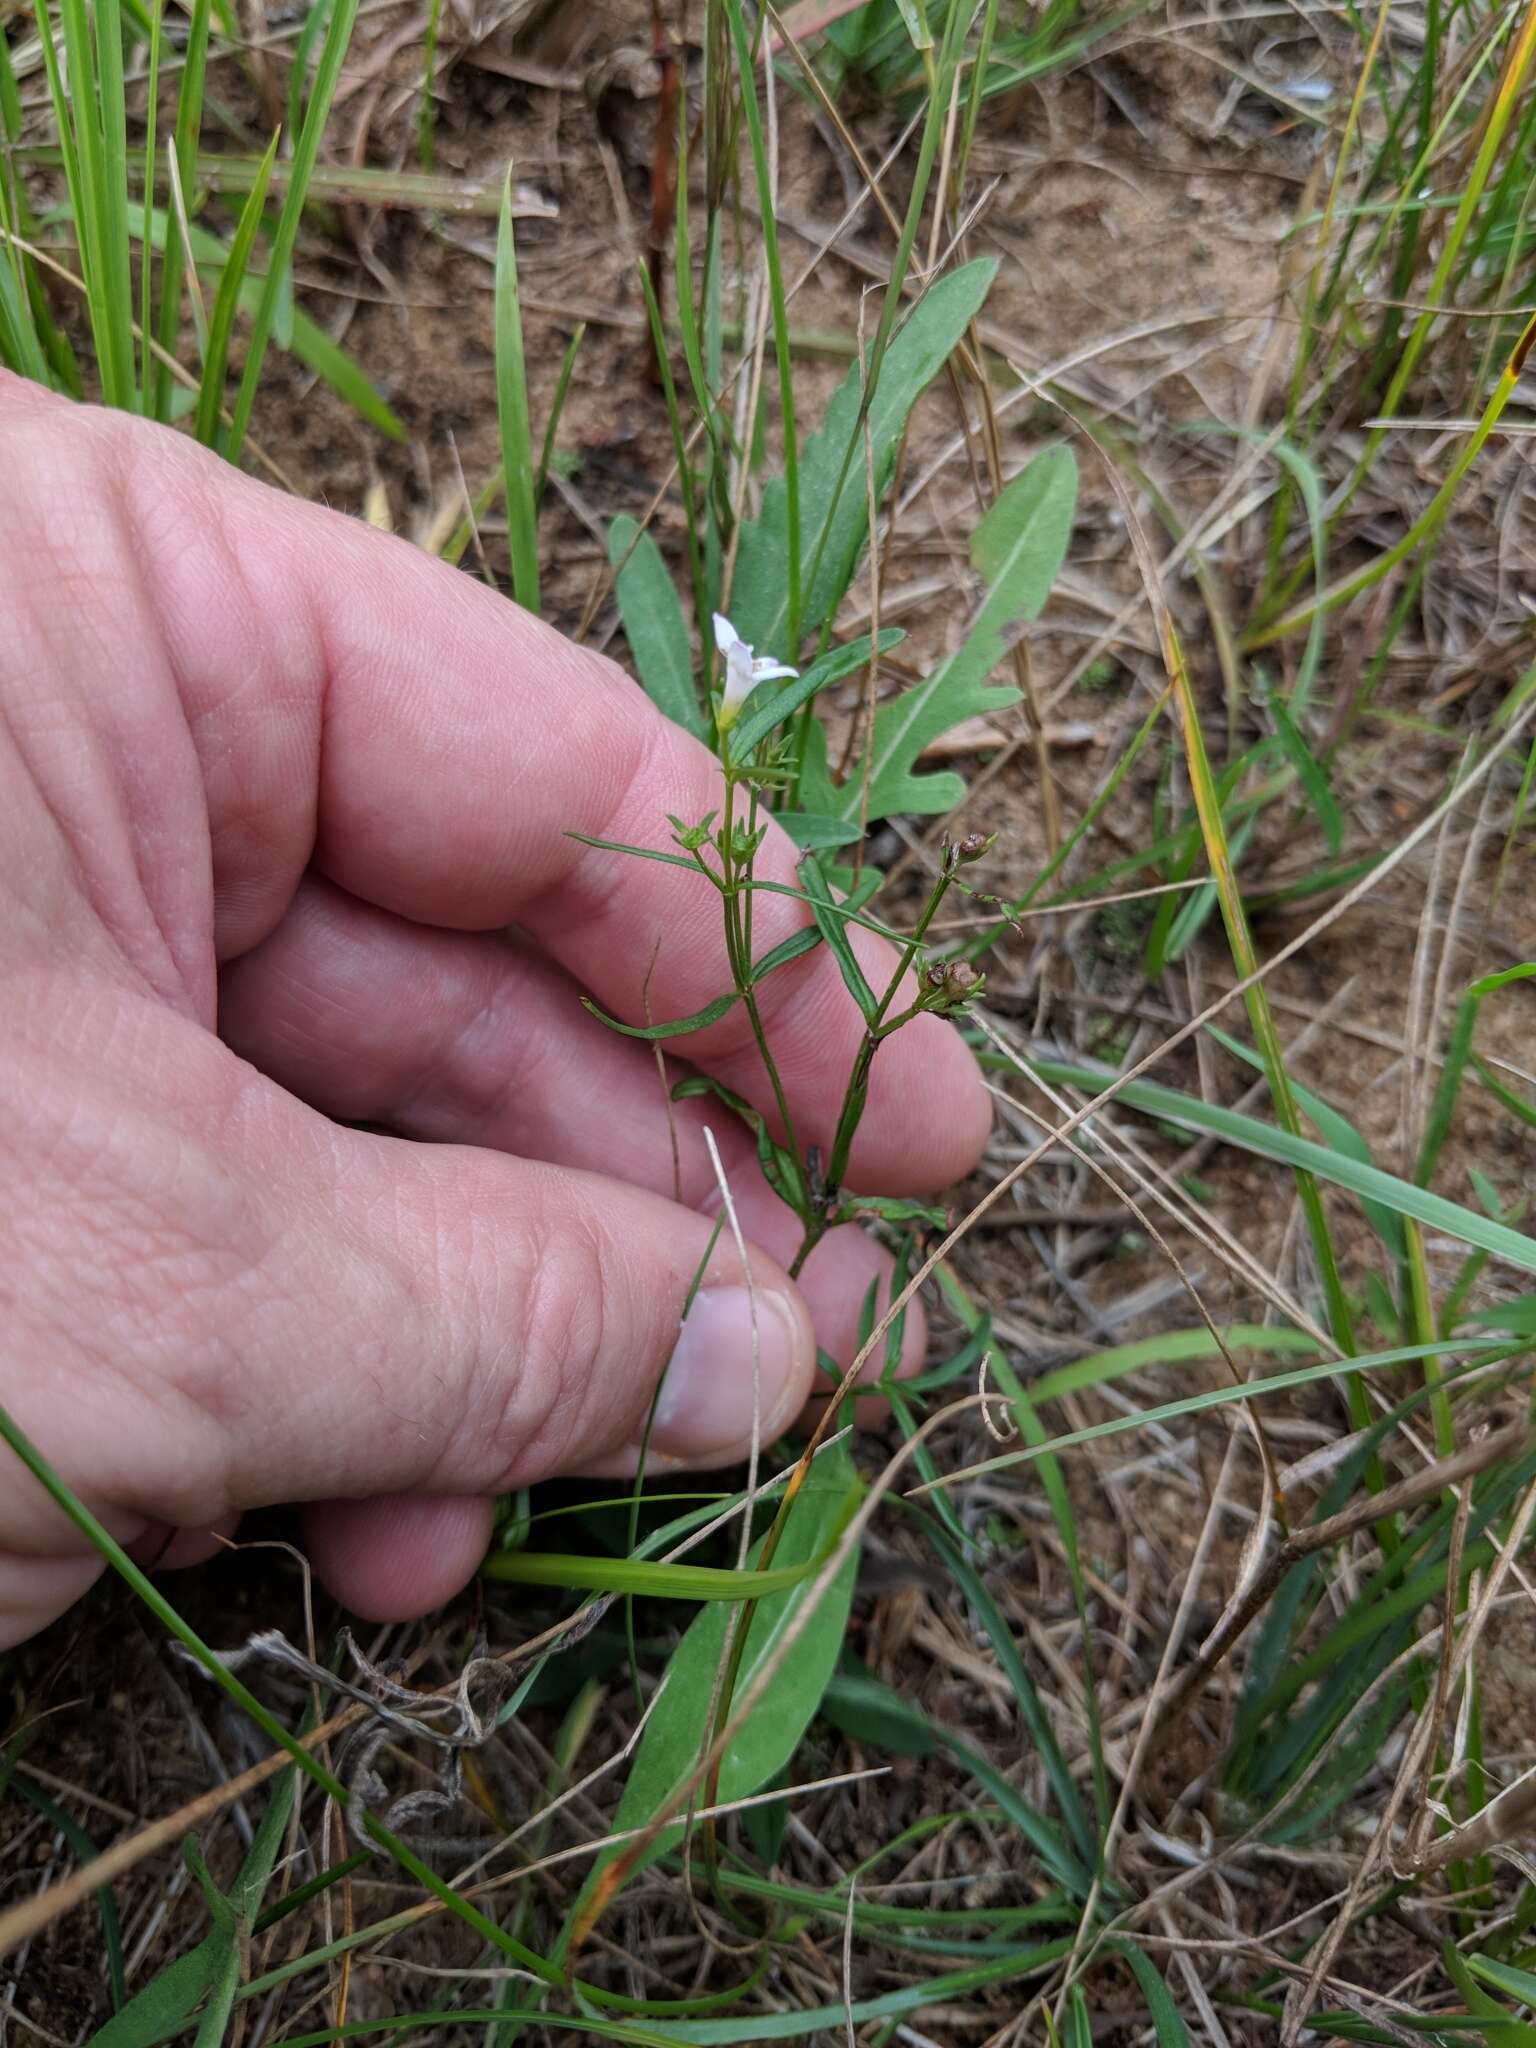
column 742, row 673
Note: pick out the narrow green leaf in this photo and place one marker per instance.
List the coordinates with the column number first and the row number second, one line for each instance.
column 213, row 1969
column 1077, row 2028
column 1505, row 1977
column 116, row 283
column 654, row 625
column 950, row 1989
column 557, row 407
column 781, row 1169
column 833, row 929
column 677, row 1028
column 865, row 1707
column 313, row 347
column 1458, row 1052
column 1502, row 2029
column 792, row 948
column 303, row 52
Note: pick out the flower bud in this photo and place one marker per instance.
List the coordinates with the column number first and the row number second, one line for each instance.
column 973, row 846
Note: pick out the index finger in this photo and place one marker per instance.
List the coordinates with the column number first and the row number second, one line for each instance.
column 355, row 704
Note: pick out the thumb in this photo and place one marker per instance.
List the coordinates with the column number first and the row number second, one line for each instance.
column 275, row 1309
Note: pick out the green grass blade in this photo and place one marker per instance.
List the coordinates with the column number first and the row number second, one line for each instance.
column 596, row 1574
column 1269, row 1141
column 306, row 149
column 556, row 408
column 116, row 291
column 210, row 396
column 184, row 144
column 779, row 308
column 303, row 50
column 146, row 240
column 512, row 414
column 426, row 119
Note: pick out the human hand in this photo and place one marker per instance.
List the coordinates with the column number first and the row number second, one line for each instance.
column 267, row 774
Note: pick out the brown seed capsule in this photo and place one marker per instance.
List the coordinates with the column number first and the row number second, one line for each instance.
column 973, row 846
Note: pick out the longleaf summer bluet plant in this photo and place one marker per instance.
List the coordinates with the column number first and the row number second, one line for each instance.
column 755, row 741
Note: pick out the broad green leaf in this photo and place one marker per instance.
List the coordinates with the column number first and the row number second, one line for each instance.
column 654, row 625
column 677, row 1735
column 834, row 502
column 169, row 2000
column 815, row 829
column 217, row 1964
column 1019, row 547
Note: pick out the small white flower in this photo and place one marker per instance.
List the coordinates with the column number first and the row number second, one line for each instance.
column 742, row 672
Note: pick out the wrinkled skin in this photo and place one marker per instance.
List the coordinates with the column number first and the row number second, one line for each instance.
column 284, row 809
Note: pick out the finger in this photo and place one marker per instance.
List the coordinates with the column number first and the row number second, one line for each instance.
column 399, row 1557
column 307, row 688
column 473, row 1039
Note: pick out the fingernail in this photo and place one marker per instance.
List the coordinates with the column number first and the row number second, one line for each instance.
column 705, row 1406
